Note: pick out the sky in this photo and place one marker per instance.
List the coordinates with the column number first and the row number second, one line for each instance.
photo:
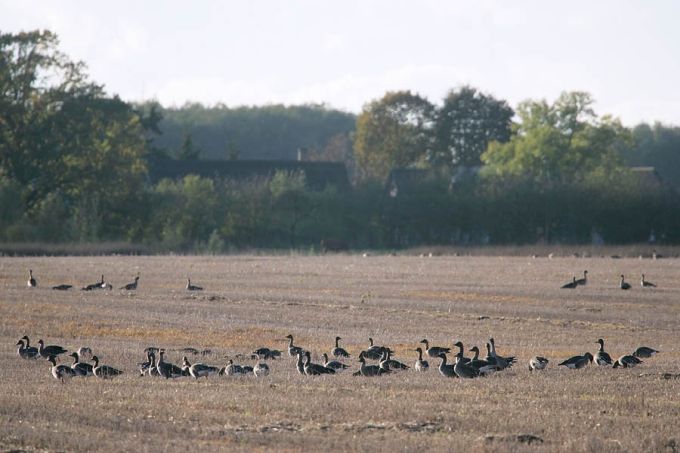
column 347, row 53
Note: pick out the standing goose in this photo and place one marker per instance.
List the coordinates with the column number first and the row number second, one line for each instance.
column 578, row 361
column 627, row 361
column 25, row 352
column 338, row 351
column 333, row 363
column 483, row 366
column 643, row 352
column 47, row 351
column 538, row 363
column 314, row 369
column 104, row 371
column 191, row 287
column 198, row 370
column 373, row 352
column 232, row 369
column 421, row 365
column 502, row 362
column 369, row 370
column 167, row 370
column 292, row 349
column 571, row 285
column 434, row 351
column 261, row 369
column 80, row 368
column 601, row 357
column 131, row 286
column 464, row 370
column 461, row 351
column 93, row 286
column 624, row 284
column 445, row 369
column 63, row 287
column 645, row 284
column 32, row 282
column 583, row 281
column 60, row 372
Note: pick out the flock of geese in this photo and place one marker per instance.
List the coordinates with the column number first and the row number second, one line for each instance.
column 463, row 367
column 623, row 284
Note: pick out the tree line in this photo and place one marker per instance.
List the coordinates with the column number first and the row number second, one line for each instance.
column 74, row 168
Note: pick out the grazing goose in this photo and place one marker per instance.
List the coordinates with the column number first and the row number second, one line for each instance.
column 25, row 352
column 315, row 369
column 266, row 353
column 198, row 370
column 645, row 284
column 232, row 369
column 333, row 363
column 571, row 285
column 191, row 287
column 80, row 368
column 167, row 370
column 131, row 286
column 104, row 371
column 434, row 351
column 261, row 369
column 483, row 366
column 578, row 361
column 643, row 352
column 60, row 372
column 627, row 361
column 338, row 351
column 583, row 281
column 421, row 365
column 538, row 363
column 601, row 357
column 624, row 284
column 299, row 365
column 32, row 282
column 461, row 350
column 63, row 287
column 369, row 370
column 292, row 349
column 502, row 362
column 93, row 286
column 445, row 369
column 47, row 351
column 386, row 362
column 373, row 352
column 464, row 370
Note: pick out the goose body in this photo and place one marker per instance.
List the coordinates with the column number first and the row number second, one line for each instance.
column 315, row 369
column 445, row 369
column 338, row 351
column 482, row 366
column 93, row 286
column 645, row 284
column 369, row 370
column 464, row 370
column 421, row 365
column 501, row 362
column 266, row 353
column 388, row 363
column 538, row 363
column 293, row 350
column 60, row 372
column 32, row 282
column 198, row 370
column 261, row 369
column 47, row 351
column 232, row 369
column 434, row 351
column 25, row 352
column 333, row 363
column 131, row 286
column 571, row 285
column 583, row 281
column 623, row 284
column 80, row 368
column 191, row 287
column 168, row 370
column 373, row 352
column 627, row 361
column 601, row 357
column 104, row 371
column 145, row 366
column 577, row 362
column 63, row 287
column 643, row 352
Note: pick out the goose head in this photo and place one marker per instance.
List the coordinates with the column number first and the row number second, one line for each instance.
column 588, row 356
column 459, row 344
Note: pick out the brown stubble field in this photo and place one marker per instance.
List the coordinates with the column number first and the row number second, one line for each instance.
column 253, row 301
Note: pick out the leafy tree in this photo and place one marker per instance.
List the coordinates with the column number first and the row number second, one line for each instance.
column 188, row 151
column 658, row 146
column 466, row 123
column 291, row 201
column 394, row 131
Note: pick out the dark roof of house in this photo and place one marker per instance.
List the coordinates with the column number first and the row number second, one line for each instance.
column 318, row 175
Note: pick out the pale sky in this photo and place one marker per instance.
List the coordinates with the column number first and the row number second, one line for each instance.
column 349, row 52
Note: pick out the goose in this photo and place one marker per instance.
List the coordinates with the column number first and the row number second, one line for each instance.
column 578, row 361
column 261, row 369
column 299, row 365
column 464, row 370
column 643, row 352
column 583, row 281
column 645, row 284
column 538, row 363
column 369, row 370
column 153, row 366
column 32, row 282
column 571, row 285
column 623, row 284
column 601, row 357
column 293, row 350
column 460, row 351
column 483, row 366
column 266, row 353
column 191, row 287
column 198, row 370
column 502, row 362
column 338, row 351
column 627, row 361
column 314, row 369
column 445, row 369
column 167, row 370
column 150, row 362
column 47, row 351
column 434, row 351
column 373, row 352
column 231, row 369
column 60, row 372
column 421, row 365
column 93, row 286
column 25, row 352
column 63, row 287
column 80, row 368
column 390, row 364
column 131, row 286
column 104, row 371
column 247, row 369
column 333, row 363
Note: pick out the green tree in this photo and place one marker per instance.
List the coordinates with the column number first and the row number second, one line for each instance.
column 394, row 131
column 291, row 201
column 188, row 151
column 466, row 123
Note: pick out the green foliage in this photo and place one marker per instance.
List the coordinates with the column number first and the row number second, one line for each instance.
column 658, row 146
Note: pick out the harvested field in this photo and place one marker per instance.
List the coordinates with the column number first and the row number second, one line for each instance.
column 253, row 301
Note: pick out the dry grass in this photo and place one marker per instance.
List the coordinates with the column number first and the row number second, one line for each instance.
column 253, row 301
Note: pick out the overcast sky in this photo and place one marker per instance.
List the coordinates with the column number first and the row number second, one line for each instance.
column 349, row 52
